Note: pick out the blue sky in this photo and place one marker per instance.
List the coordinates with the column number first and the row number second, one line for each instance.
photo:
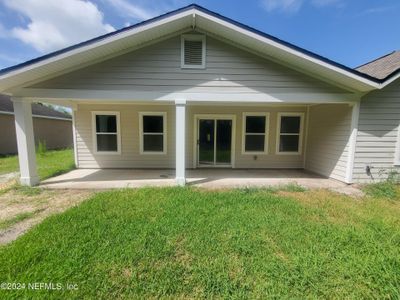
column 350, row 32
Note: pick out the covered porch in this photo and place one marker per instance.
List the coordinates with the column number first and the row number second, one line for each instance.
column 206, row 178
column 325, row 140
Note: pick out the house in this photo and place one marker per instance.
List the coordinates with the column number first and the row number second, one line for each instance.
column 51, row 127
column 193, row 89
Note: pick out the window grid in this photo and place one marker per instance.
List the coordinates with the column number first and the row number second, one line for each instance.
column 97, row 133
column 143, row 133
column 245, row 133
column 299, row 134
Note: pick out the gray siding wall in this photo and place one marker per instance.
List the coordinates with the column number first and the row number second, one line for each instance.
column 130, row 156
column 56, row 133
column 158, row 68
column 328, row 136
column 377, row 133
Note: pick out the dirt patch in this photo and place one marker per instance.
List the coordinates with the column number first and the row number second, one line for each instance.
column 40, row 202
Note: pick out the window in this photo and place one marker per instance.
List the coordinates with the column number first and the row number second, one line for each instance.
column 106, row 135
column 153, row 132
column 255, row 133
column 193, row 51
column 290, row 127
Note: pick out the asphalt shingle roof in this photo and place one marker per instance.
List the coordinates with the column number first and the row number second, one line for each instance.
column 382, row 67
column 37, row 109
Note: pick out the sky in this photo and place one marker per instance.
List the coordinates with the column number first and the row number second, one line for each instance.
column 350, row 32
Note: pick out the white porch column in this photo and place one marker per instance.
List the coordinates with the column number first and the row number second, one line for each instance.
column 352, row 142
column 25, row 141
column 74, row 109
column 180, row 117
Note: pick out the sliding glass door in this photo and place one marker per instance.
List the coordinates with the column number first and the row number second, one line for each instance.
column 214, row 142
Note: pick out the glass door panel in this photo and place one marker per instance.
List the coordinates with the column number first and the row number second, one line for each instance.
column 223, row 142
column 206, row 142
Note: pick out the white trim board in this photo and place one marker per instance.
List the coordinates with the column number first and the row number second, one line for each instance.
column 352, row 142
column 225, row 96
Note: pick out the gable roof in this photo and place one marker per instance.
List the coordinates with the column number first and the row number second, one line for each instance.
column 6, row 105
column 186, row 18
column 382, row 67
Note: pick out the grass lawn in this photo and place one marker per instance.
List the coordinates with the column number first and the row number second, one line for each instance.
column 49, row 164
column 189, row 243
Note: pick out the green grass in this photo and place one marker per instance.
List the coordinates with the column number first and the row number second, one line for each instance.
column 188, row 243
column 18, row 218
column 387, row 190
column 50, row 163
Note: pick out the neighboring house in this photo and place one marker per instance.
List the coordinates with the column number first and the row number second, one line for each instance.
column 51, row 127
column 192, row 89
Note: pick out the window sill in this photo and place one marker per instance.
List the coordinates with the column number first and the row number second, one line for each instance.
column 254, row 153
column 288, row 153
column 152, row 153
column 107, row 153
column 193, row 67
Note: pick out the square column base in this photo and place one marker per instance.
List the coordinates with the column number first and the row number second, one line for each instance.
column 29, row 181
column 180, row 181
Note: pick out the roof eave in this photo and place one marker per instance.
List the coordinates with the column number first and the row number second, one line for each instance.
column 180, row 19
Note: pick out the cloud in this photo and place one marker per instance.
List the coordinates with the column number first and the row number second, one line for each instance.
column 57, row 24
column 293, row 6
column 321, row 3
column 290, row 6
column 132, row 10
column 139, row 10
column 8, row 58
column 3, row 32
column 377, row 10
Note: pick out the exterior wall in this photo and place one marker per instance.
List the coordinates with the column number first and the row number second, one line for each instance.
column 158, row 68
column 8, row 144
column 130, row 156
column 328, row 135
column 377, row 133
column 130, row 147
column 56, row 133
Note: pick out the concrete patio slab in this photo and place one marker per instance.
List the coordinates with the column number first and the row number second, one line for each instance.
column 207, row 178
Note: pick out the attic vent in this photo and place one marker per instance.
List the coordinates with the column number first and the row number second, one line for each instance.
column 193, row 51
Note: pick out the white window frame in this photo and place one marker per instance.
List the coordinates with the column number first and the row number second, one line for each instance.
column 95, row 133
column 193, row 37
column 141, row 133
column 300, row 134
column 266, row 133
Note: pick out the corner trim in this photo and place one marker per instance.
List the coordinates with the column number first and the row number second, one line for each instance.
column 352, row 142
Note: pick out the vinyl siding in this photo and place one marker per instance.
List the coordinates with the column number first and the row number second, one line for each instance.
column 377, row 133
column 158, row 68
column 130, row 156
column 328, row 136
